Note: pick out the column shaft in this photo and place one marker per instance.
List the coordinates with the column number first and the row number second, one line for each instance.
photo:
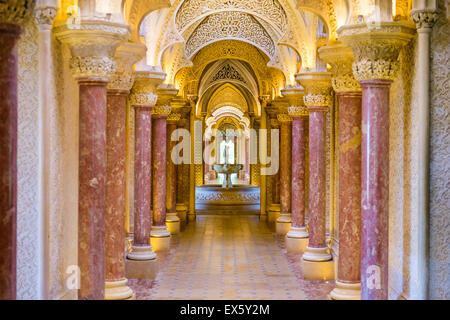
column 9, row 34
column 285, row 169
column 171, row 171
column 298, row 173
column 142, row 249
column 92, row 188
column 349, row 265
column 375, row 189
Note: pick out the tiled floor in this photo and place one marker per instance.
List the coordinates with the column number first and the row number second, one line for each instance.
column 229, row 257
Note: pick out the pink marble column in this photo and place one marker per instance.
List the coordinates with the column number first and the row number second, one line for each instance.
column 171, row 171
column 9, row 34
column 349, row 265
column 276, row 177
column 317, row 248
column 159, row 227
column 285, row 173
column 92, row 188
column 375, row 189
column 298, row 175
column 115, row 192
column 142, row 249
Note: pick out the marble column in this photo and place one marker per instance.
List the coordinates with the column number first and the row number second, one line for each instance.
column 424, row 18
column 11, row 23
column 92, row 65
column 297, row 237
column 274, row 207
column 160, row 235
column 141, row 261
column 172, row 219
column 117, row 92
column 340, row 57
column 318, row 99
column 372, row 48
column 284, row 220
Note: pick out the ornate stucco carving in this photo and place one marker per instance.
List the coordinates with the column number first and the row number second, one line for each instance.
column 376, row 48
column 143, row 92
column 298, row 111
column 45, row 16
column 340, row 58
column 92, row 44
column 318, row 88
column 17, row 12
column 230, row 25
column 271, row 10
column 162, row 110
column 283, row 117
column 126, row 56
column 228, row 72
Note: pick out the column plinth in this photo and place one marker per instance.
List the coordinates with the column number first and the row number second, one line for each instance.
column 376, row 65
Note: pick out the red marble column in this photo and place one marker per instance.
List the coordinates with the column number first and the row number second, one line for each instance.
column 285, row 168
column 159, row 228
column 115, row 191
column 92, row 188
column 276, row 177
column 298, row 174
column 375, row 189
column 349, row 265
column 142, row 249
column 317, row 249
column 171, row 171
column 285, row 173
column 9, row 34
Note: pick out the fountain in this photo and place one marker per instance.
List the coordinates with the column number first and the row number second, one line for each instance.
column 227, row 169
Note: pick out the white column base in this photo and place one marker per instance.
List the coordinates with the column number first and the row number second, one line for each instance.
column 160, row 238
column 173, row 223
column 317, row 254
column 297, row 240
column 283, row 224
column 141, row 253
column 141, row 269
column 346, row 291
column 117, row 290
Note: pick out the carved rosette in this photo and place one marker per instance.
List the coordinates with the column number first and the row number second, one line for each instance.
column 126, row 56
column 340, row 58
column 424, row 18
column 45, row 16
column 16, row 12
column 318, row 88
column 93, row 44
column 376, row 49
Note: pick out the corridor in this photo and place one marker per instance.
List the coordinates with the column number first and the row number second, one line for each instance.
column 229, row 257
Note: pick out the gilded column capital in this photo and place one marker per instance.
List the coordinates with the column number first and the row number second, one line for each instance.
column 16, row 12
column 298, row 111
column 45, row 12
column 424, row 18
column 143, row 92
column 174, row 117
column 161, row 110
column 166, row 93
column 284, row 117
column 93, row 44
column 294, row 95
column 125, row 57
column 317, row 86
column 376, row 48
column 340, row 57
